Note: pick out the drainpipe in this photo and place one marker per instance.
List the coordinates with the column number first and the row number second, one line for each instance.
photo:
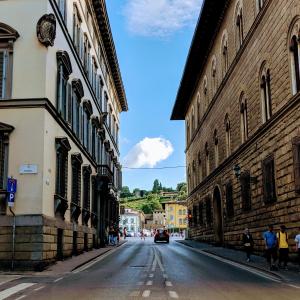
column 13, row 240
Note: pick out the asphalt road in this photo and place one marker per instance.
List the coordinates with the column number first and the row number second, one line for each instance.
column 142, row 269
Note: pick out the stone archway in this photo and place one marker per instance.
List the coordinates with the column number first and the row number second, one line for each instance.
column 218, row 216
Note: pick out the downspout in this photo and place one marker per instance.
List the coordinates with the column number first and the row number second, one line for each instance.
column 13, row 240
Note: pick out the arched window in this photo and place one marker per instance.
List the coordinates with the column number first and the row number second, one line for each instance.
column 216, row 147
column 224, row 53
column 194, row 175
column 187, row 131
column 244, row 118
column 87, row 112
column 193, row 123
column 77, row 94
column 214, row 75
column 189, row 179
column 200, row 168
column 259, row 5
column 63, row 97
column 198, row 110
column 265, row 91
column 7, row 38
column 227, row 135
column 207, row 159
column 239, row 24
column 205, row 92
column 294, row 55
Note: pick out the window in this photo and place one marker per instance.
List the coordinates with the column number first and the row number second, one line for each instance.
column 207, row 159
column 77, row 94
column 62, row 9
column 7, row 37
column 5, row 130
column 198, row 110
column 193, row 124
column 296, row 156
column 205, row 93
column 294, row 56
column 180, row 212
column 245, row 180
column 99, row 90
column 87, row 57
column 229, row 200
column 171, row 218
column 201, row 221
column 224, row 53
column 87, row 112
column 94, row 74
column 265, row 90
column 64, row 69
column 244, row 118
column 227, row 136
column 216, row 146
column 269, row 179
column 214, row 75
column 86, row 184
column 76, row 161
column 180, row 221
column 239, row 22
column 194, row 175
column 187, row 131
column 259, row 4
column 200, row 168
column 208, row 211
column 189, row 179
column 77, row 33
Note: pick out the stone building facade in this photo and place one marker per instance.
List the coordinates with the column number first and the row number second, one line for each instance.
column 61, row 94
column 239, row 97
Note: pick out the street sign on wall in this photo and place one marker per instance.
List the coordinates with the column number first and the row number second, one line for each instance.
column 11, row 200
column 11, row 185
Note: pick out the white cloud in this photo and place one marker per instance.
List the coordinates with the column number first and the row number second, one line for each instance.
column 160, row 17
column 148, row 153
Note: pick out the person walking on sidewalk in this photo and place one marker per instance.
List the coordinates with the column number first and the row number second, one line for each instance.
column 283, row 246
column 271, row 247
column 125, row 232
column 297, row 240
column 248, row 243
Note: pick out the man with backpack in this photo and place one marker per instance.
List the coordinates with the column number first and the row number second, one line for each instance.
column 271, row 247
column 283, row 246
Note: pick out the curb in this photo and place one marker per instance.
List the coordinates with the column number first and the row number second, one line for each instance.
column 236, row 261
column 95, row 257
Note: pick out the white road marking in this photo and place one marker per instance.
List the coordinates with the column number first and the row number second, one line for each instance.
column 169, row 283
column 146, row 293
column 151, row 275
column 134, row 294
column 235, row 264
column 173, row 294
column 158, row 261
column 23, row 296
column 294, row 286
column 149, row 282
column 97, row 259
column 58, row 279
column 15, row 289
column 39, row 288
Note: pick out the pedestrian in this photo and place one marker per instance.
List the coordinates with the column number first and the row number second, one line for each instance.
column 115, row 236
column 142, row 235
column 297, row 240
column 271, row 247
column 248, row 243
column 111, row 236
column 283, row 246
column 125, row 232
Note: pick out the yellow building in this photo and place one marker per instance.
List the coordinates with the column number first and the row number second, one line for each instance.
column 176, row 214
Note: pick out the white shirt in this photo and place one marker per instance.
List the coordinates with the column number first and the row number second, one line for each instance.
column 297, row 240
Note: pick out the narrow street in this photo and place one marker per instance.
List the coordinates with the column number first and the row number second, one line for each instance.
column 142, row 269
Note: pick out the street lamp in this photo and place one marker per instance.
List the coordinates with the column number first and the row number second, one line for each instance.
column 237, row 173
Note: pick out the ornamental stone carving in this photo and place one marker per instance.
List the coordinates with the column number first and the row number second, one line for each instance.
column 46, row 30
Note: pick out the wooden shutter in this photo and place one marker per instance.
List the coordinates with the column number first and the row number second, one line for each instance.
column 269, row 180
column 69, row 104
column 296, row 156
column 246, row 191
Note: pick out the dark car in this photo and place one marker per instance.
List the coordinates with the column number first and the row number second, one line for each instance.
column 161, row 235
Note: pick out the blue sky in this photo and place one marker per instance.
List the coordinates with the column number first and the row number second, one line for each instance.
column 152, row 39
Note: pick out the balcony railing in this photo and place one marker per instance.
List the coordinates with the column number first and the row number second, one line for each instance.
column 105, row 171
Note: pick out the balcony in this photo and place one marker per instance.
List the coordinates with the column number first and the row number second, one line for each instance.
column 105, row 172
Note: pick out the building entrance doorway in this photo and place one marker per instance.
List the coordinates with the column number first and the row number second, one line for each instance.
column 218, row 216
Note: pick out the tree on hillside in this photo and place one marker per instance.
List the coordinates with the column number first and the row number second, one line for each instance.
column 136, row 192
column 151, row 205
column 181, row 186
column 156, row 186
column 125, row 192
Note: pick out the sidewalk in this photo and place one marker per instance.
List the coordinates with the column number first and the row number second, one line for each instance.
column 258, row 262
column 60, row 267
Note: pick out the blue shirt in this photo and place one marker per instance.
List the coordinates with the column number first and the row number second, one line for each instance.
column 271, row 239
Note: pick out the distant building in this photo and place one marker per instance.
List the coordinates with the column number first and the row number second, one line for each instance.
column 175, row 214
column 133, row 220
column 159, row 219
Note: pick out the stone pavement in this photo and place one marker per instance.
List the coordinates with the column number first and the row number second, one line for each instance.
column 258, row 262
column 60, row 267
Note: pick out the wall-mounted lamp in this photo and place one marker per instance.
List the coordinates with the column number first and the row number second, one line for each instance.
column 237, row 173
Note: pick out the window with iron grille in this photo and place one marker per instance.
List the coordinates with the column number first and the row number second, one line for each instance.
column 269, row 180
column 229, row 200
column 245, row 180
column 62, row 9
column 208, row 211
column 201, row 221
column 296, row 156
column 76, row 178
column 86, row 186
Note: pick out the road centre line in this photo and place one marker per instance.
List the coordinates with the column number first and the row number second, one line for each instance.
column 235, row 264
column 15, row 289
column 97, row 259
column 146, row 293
column 58, row 279
column 39, row 288
column 22, row 297
column 294, row 286
column 168, row 283
column 173, row 294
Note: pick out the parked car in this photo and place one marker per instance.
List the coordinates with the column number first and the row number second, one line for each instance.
column 161, row 235
column 130, row 234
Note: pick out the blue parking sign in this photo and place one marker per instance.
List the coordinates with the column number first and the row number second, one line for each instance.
column 11, row 185
column 11, row 199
